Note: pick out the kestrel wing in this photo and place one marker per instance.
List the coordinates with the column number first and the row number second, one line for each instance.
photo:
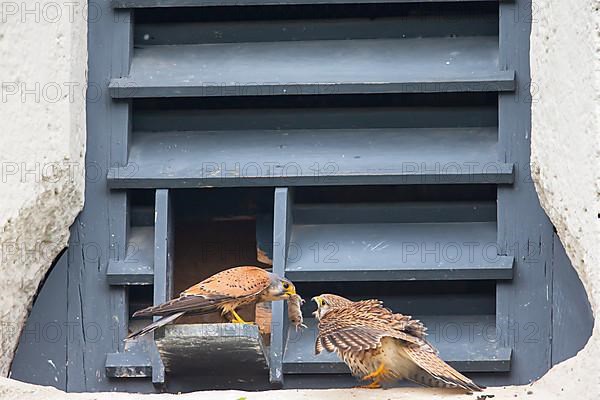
column 359, row 327
column 211, row 294
column 236, row 282
column 426, row 358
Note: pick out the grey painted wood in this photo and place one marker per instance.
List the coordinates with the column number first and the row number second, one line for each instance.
column 236, row 350
column 119, row 223
column 92, row 305
column 42, row 350
column 137, row 267
column 353, row 66
column 572, row 318
column 128, row 364
column 210, row 3
column 163, row 262
column 312, row 157
column 461, row 340
column 396, row 251
column 282, row 222
column 524, row 304
column 422, row 211
column 503, row 173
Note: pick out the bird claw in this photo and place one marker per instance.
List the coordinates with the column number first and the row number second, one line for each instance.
column 372, row 385
column 300, row 326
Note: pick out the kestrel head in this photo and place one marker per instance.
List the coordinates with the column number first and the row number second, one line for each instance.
column 326, row 302
column 279, row 289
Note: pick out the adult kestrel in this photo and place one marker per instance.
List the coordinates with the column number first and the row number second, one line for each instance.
column 225, row 292
column 379, row 345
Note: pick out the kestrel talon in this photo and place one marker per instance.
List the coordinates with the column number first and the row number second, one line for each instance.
column 381, row 346
column 225, row 292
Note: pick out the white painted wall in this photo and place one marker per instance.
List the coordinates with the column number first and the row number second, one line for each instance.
column 565, row 49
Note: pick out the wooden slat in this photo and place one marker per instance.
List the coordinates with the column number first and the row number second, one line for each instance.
column 210, row 3
column 428, row 65
column 460, row 339
column 137, row 268
column 504, row 175
column 396, row 251
column 312, row 157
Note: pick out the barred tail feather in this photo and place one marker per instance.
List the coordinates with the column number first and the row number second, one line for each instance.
column 155, row 325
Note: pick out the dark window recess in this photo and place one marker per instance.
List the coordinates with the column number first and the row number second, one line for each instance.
column 371, row 148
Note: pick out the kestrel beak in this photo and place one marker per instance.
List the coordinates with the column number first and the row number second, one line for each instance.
column 291, row 290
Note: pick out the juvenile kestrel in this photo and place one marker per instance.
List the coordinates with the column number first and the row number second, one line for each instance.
column 379, row 345
column 225, row 292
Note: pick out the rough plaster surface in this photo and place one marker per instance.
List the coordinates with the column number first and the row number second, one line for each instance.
column 565, row 61
column 43, row 61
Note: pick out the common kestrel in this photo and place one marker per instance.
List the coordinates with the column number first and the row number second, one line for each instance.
column 225, row 292
column 379, row 345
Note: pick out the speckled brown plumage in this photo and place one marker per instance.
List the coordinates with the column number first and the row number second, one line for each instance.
column 378, row 344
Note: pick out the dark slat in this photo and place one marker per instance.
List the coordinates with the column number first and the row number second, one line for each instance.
column 331, row 112
column 141, row 216
column 359, row 213
column 460, row 339
column 138, row 266
column 396, row 251
column 209, row 3
column 389, row 27
column 319, row 67
column 312, row 157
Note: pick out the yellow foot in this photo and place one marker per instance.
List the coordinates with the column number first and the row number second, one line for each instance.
column 372, row 385
column 238, row 320
column 375, row 374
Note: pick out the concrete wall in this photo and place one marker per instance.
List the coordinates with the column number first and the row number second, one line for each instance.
column 565, row 155
column 43, row 61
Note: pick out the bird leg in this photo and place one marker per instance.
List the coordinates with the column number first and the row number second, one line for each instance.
column 237, row 319
column 376, row 376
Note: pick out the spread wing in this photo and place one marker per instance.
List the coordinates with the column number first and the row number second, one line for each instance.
column 426, row 358
column 361, row 325
column 231, row 285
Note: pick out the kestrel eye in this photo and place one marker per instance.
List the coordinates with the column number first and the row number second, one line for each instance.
column 286, row 285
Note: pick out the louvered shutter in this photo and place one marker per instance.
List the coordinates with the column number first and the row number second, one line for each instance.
column 376, row 123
